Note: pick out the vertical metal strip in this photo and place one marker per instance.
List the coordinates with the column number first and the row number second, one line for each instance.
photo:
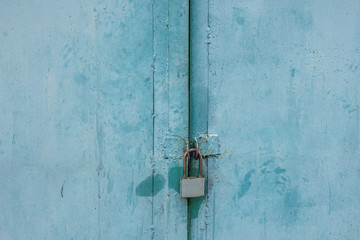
column 199, row 96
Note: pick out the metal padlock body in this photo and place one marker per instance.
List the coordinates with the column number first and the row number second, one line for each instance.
column 192, row 186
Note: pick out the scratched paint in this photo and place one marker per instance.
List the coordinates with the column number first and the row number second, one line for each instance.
column 278, row 81
column 89, row 91
column 94, row 113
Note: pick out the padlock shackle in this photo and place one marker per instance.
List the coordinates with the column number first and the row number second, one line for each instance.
column 184, row 161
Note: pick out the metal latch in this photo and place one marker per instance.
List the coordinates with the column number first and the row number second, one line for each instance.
column 208, row 144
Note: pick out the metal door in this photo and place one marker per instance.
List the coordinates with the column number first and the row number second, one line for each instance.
column 278, row 81
column 94, row 116
column 91, row 93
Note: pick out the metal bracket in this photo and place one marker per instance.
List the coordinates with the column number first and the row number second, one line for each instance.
column 208, row 144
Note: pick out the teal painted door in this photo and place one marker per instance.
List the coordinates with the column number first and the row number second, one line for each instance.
column 92, row 93
column 96, row 106
column 279, row 82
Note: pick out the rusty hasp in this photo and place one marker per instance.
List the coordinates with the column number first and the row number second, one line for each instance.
column 208, row 144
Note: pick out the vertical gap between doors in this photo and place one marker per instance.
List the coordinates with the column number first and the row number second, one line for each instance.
column 189, row 107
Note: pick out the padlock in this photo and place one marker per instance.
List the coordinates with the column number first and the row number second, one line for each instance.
column 192, row 186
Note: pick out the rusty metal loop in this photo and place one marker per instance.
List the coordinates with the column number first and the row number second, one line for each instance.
column 187, row 150
column 184, row 161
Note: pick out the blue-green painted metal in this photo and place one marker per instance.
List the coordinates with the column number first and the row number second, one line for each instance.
column 94, row 115
column 91, row 95
column 279, row 82
column 208, row 144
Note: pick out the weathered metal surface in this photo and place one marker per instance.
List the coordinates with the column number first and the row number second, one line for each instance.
column 279, row 82
column 89, row 91
column 208, row 144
